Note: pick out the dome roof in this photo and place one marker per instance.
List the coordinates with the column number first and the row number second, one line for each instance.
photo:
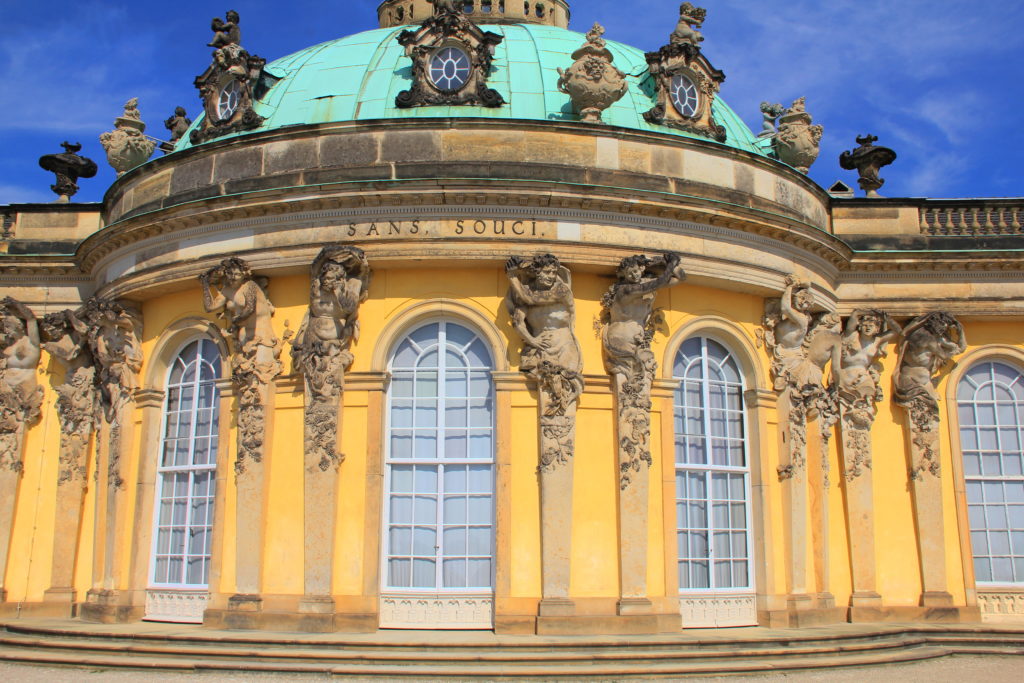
column 357, row 78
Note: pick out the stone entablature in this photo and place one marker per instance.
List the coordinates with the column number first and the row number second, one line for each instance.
column 548, row 12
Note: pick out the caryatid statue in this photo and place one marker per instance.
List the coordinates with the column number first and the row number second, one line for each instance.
column 115, row 346
column 231, row 291
column 930, row 342
column 543, row 312
column 628, row 308
column 339, row 283
column 864, row 340
column 321, row 350
column 20, row 394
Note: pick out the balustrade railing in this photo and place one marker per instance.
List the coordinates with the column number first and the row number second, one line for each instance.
column 973, row 217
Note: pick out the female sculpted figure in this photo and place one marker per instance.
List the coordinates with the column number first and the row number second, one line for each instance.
column 929, row 342
column 787, row 331
column 541, row 304
column 116, row 350
column 340, row 282
column 628, row 306
column 230, row 290
column 864, row 341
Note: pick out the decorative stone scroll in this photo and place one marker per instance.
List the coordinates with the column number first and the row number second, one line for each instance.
column 126, row 146
column 930, row 343
column 231, row 84
column 20, row 400
column 797, row 142
column 451, row 59
column 322, row 353
column 543, row 312
column 628, row 323
column 66, row 338
column 592, row 82
column 231, row 291
column 685, row 82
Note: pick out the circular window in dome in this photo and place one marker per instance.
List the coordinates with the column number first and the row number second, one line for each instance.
column 230, row 96
column 449, row 69
column 684, row 95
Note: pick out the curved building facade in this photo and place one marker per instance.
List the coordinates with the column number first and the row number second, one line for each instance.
column 398, row 336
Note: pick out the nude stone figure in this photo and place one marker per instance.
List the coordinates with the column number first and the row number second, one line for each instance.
column 929, row 343
column 691, row 18
column 231, row 291
column 226, row 32
column 21, row 352
column 866, row 335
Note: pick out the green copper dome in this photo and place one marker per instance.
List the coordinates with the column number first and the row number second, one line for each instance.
column 358, row 77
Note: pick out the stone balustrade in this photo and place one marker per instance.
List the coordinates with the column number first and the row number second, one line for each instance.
column 969, row 217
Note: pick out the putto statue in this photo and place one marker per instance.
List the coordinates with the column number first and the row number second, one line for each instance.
column 231, row 291
column 20, row 394
column 321, row 349
column 864, row 341
column 797, row 142
column 543, row 312
column 178, row 124
column 592, row 82
column 930, row 342
column 691, row 18
column 226, row 32
column 628, row 327
column 770, row 112
column 126, row 146
column 444, row 6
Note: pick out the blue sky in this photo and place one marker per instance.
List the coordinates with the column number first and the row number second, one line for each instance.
column 939, row 81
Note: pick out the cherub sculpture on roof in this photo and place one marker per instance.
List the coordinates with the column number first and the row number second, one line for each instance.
column 226, row 32
column 691, row 18
column 443, row 6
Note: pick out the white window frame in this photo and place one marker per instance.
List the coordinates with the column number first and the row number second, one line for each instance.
column 715, row 606
column 162, row 470
column 402, row 607
column 981, row 478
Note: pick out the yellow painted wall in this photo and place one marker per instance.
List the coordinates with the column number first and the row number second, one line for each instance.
column 594, row 553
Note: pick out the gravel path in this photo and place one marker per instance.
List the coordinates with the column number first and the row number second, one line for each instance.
column 949, row 669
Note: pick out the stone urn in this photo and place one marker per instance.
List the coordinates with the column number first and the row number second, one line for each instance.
column 868, row 160
column 126, row 146
column 592, row 82
column 797, row 142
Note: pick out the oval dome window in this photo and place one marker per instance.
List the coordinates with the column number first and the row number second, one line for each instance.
column 684, row 95
column 227, row 103
column 449, row 69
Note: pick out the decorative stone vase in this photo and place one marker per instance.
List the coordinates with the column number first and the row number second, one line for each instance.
column 798, row 143
column 126, row 145
column 592, row 82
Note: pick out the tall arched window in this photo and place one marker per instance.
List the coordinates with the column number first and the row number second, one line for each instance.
column 187, row 471
column 439, row 511
column 990, row 404
column 712, row 487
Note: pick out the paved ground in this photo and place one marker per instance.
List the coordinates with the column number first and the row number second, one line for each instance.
column 949, row 669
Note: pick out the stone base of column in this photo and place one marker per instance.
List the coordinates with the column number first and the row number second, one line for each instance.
column 316, row 614
column 556, row 607
column 796, row 602
column 586, row 625
column 242, row 614
column 936, row 599
column 59, row 602
column 825, row 600
column 104, row 606
column 634, row 606
column 866, row 599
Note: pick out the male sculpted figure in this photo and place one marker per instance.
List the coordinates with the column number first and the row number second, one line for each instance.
column 21, row 353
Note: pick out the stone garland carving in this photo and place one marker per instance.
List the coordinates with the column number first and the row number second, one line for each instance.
column 930, row 342
column 126, row 146
column 114, row 344
column 448, row 27
column 801, row 344
column 543, row 312
column 230, row 85
column 67, row 340
column 68, row 168
column 592, row 82
column 321, row 350
column 866, row 336
column 628, row 325
column 797, row 142
column 230, row 290
column 20, row 395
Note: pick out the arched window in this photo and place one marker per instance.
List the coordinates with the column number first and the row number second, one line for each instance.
column 712, row 482
column 990, row 404
column 187, row 471
column 439, row 510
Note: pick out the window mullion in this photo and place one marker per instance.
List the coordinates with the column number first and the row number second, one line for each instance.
column 442, row 379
